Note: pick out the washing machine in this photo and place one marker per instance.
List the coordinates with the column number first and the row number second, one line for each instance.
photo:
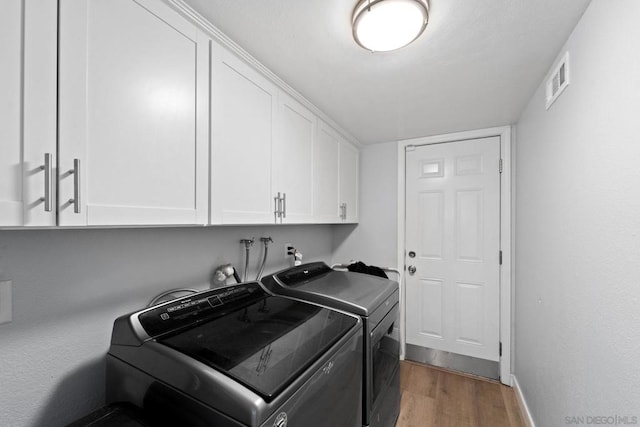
column 239, row 356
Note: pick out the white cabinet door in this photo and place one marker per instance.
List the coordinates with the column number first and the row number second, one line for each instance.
column 27, row 112
column 293, row 159
column 133, row 115
column 327, row 175
column 40, row 106
column 349, row 162
column 27, row 117
column 10, row 106
column 243, row 107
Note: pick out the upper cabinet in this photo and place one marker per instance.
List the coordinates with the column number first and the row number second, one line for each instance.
column 10, row 131
column 293, row 160
column 349, row 164
column 326, row 187
column 126, row 112
column 336, row 178
column 271, row 160
column 243, row 108
column 133, row 115
column 28, row 112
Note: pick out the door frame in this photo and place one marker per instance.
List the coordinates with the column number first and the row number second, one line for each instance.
column 506, row 242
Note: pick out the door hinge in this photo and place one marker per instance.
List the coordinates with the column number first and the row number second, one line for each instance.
column 500, row 257
column 500, row 166
column 500, row 349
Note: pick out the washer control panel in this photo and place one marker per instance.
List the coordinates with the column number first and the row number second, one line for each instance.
column 206, row 305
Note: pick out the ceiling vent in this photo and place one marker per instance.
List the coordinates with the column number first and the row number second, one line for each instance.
column 558, row 81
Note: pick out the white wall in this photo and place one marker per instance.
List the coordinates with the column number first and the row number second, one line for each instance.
column 69, row 286
column 578, row 228
column 374, row 240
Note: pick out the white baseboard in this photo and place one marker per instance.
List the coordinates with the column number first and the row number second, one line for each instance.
column 528, row 419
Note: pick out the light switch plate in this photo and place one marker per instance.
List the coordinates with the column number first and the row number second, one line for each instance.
column 6, row 302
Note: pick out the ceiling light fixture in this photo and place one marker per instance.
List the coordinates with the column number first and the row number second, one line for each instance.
column 384, row 25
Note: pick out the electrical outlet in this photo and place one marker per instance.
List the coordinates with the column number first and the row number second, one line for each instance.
column 6, row 302
column 287, row 248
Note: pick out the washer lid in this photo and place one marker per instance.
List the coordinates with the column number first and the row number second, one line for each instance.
column 356, row 293
column 264, row 345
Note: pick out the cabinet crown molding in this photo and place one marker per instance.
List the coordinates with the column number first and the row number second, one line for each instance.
column 221, row 38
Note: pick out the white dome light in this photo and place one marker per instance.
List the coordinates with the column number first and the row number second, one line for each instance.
column 383, row 25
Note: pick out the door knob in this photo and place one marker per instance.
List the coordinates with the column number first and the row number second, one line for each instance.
column 412, row 269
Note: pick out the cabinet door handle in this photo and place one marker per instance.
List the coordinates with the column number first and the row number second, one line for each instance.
column 76, row 185
column 345, row 211
column 279, row 209
column 47, row 182
column 284, row 205
column 276, row 207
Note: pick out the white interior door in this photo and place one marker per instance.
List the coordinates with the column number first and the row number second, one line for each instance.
column 453, row 227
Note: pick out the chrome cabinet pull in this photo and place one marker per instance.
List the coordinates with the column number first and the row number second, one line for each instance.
column 279, row 209
column 281, row 206
column 284, row 205
column 76, row 185
column 345, row 211
column 47, row 182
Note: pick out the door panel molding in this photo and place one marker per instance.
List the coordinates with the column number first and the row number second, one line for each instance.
column 467, row 166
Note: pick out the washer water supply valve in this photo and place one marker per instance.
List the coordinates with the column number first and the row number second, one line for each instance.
column 265, row 241
column 247, row 248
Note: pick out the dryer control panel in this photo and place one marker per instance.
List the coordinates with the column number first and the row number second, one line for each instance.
column 303, row 273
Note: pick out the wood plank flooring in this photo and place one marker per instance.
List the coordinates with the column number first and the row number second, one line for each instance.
column 436, row 397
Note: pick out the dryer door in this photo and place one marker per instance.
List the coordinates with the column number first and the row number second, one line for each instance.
column 384, row 387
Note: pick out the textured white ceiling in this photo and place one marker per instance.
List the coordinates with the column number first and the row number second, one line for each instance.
column 476, row 65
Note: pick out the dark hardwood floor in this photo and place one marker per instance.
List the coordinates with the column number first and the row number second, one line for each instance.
column 436, row 397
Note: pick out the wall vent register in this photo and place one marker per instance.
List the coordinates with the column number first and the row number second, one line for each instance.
column 557, row 81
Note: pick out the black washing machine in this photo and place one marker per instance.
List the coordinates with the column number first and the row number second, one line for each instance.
column 238, row 356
